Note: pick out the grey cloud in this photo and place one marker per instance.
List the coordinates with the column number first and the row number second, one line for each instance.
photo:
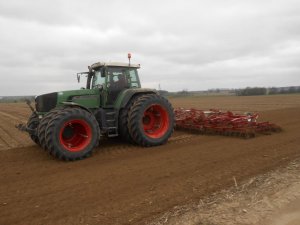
column 180, row 44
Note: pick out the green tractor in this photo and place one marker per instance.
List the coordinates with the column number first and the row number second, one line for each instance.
column 68, row 124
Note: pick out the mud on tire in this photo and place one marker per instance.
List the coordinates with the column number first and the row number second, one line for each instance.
column 151, row 120
column 72, row 134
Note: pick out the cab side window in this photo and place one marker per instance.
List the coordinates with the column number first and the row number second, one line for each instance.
column 133, row 78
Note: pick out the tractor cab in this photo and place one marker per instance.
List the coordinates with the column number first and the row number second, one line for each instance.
column 111, row 79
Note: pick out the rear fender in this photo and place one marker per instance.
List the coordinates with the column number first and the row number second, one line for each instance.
column 125, row 97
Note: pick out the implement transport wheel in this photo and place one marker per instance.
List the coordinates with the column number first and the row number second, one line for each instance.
column 43, row 125
column 33, row 123
column 151, row 120
column 72, row 134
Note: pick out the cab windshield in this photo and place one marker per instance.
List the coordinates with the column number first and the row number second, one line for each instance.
column 98, row 81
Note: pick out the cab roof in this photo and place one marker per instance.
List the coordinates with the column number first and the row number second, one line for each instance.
column 114, row 64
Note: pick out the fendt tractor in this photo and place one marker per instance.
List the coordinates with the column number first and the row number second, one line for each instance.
column 68, row 124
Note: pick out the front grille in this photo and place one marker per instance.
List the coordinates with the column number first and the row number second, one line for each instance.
column 44, row 103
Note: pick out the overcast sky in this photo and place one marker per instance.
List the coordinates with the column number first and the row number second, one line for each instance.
column 194, row 45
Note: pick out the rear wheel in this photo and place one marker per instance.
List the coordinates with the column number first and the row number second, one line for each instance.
column 33, row 123
column 151, row 120
column 72, row 134
column 123, row 121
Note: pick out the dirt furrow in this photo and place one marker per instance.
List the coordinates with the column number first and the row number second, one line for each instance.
column 12, row 136
column 7, row 139
column 12, row 117
column 3, row 144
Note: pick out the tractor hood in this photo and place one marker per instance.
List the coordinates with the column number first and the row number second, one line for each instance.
column 86, row 97
column 46, row 102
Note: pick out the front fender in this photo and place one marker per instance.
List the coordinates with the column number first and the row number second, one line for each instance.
column 73, row 104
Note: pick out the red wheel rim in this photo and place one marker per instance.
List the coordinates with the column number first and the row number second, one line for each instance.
column 75, row 135
column 155, row 121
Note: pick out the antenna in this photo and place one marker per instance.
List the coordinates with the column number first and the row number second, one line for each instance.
column 129, row 57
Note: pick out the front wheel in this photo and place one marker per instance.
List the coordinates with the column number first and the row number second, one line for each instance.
column 72, row 134
column 43, row 125
column 33, row 123
column 151, row 120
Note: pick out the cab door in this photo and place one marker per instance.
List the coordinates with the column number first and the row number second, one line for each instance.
column 116, row 83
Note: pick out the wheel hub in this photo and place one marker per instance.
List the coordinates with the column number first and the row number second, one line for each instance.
column 75, row 135
column 155, row 121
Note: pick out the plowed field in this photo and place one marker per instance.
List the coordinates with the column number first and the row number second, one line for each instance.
column 126, row 184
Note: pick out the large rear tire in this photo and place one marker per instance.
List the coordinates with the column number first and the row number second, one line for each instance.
column 123, row 121
column 33, row 123
column 151, row 120
column 43, row 125
column 72, row 134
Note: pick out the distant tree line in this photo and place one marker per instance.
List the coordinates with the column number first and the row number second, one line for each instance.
column 15, row 99
column 251, row 91
column 267, row 91
column 248, row 91
column 284, row 90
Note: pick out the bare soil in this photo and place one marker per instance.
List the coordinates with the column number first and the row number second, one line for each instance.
column 272, row 198
column 127, row 184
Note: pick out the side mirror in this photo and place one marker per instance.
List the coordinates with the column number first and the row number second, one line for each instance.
column 78, row 77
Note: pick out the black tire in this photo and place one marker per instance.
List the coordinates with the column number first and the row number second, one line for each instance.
column 151, row 120
column 33, row 123
column 123, row 121
column 43, row 125
column 72, row 134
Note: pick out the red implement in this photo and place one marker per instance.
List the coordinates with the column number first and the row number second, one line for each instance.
column 224, row 123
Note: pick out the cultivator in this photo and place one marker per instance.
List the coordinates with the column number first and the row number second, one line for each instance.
column 223, row 123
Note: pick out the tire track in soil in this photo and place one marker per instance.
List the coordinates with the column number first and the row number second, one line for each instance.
column 7, row 139
column 3, row 144
column 10, row 135
column 113, row 148
column 18, row 119
column 181, row 137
